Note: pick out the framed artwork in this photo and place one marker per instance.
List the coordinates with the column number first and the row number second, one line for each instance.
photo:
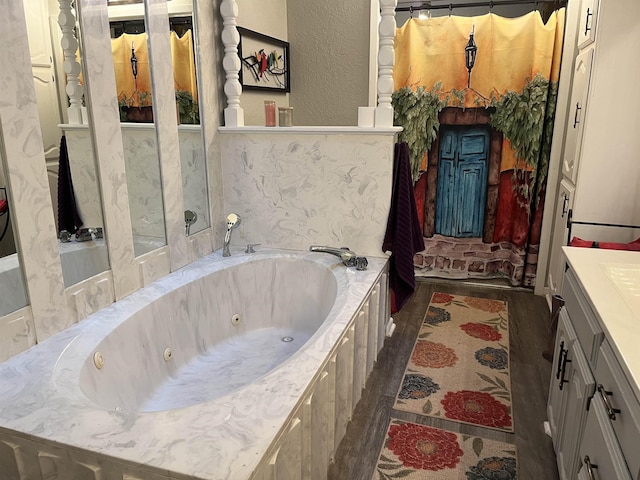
column 264, row 62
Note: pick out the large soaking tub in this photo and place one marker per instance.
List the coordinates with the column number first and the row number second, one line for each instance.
column 231, row 368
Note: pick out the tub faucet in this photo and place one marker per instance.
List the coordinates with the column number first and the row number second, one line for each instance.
column 88, row 234
column 349, row 258
column 233, row 221
column 250, row 247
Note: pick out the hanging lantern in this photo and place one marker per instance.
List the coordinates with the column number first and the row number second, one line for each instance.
column 134, row 61
column 470, row 52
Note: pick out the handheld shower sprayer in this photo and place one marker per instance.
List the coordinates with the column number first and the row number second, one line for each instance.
column 233, row 221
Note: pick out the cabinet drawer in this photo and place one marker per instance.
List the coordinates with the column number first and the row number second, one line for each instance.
column 625, row 415
column 587, row 23
column 599, row 449
column 584, row 322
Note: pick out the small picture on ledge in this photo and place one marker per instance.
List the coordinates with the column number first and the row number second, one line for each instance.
column 264, row 62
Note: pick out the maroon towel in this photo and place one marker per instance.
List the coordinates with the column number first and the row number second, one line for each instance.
column 403, row 237
column 68, row 215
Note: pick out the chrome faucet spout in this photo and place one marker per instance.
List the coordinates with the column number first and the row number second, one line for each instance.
column 349, row 258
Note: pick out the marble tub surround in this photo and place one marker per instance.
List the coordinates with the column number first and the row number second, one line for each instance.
column 55, row 421
column 299, row 186
column 25, row 171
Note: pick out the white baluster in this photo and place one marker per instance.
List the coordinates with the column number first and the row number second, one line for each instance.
column 233, row 114
column 67, row 21
column 387, row 31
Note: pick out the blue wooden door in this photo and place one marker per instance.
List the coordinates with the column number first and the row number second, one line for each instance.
column 462, row 181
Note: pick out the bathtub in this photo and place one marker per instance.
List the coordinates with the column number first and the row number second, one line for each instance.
column 245, row 367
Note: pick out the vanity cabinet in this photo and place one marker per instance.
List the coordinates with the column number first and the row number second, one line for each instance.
column 594, row 414
column 564, row 203
column 599, row 454
column 587, row 23
column 571, row 388
column 577, row 115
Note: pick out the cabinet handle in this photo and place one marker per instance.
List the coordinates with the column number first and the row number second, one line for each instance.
column 565, row 201
column 565, row 360
column 611, row 412
column 586, row 24
column 576, row 121
column 590, row 467
column 560, row 360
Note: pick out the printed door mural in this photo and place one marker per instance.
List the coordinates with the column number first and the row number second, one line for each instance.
column 462, row 182
column 476, row 98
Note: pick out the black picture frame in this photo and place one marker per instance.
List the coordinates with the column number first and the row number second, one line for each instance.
column 264, row 62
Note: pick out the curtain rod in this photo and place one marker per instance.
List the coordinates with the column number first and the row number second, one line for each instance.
column 450, row 6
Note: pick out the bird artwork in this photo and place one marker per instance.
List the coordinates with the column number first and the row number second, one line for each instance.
column 266, row 67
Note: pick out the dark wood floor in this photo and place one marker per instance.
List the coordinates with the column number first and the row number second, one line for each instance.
column 530, row 374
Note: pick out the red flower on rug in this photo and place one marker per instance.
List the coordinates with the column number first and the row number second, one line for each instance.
column 478, row 408
column 433, row 355
column 486, row 304
column 424, row 448
column 482, row 331
column 441, row 298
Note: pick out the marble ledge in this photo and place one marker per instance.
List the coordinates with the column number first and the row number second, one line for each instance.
column 128, row 125
column 313, row 130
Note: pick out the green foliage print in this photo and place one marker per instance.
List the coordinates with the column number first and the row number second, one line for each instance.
column 526, row 119
column 416, row 111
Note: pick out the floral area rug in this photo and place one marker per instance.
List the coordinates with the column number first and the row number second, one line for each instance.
column 459, row 368
column 416, row 452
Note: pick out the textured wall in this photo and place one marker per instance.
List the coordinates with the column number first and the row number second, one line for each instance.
column 329, row 60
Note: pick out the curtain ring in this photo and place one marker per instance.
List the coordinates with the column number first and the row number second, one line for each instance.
column 491, row 5
column 411, row 11
column 450, row 9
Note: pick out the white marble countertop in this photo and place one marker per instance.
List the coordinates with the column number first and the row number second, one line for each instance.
column 611, row 281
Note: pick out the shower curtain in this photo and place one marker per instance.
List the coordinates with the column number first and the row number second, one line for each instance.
column 476, row 97
column 183, row 67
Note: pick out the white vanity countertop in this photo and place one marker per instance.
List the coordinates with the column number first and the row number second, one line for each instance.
column 611, row 281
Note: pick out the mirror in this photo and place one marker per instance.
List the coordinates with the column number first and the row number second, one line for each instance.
column 193, row 164
column 135, row 96
column 12, row 285
column 67, row 141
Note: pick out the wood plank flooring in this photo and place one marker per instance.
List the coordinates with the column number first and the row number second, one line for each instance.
column 529, row 315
